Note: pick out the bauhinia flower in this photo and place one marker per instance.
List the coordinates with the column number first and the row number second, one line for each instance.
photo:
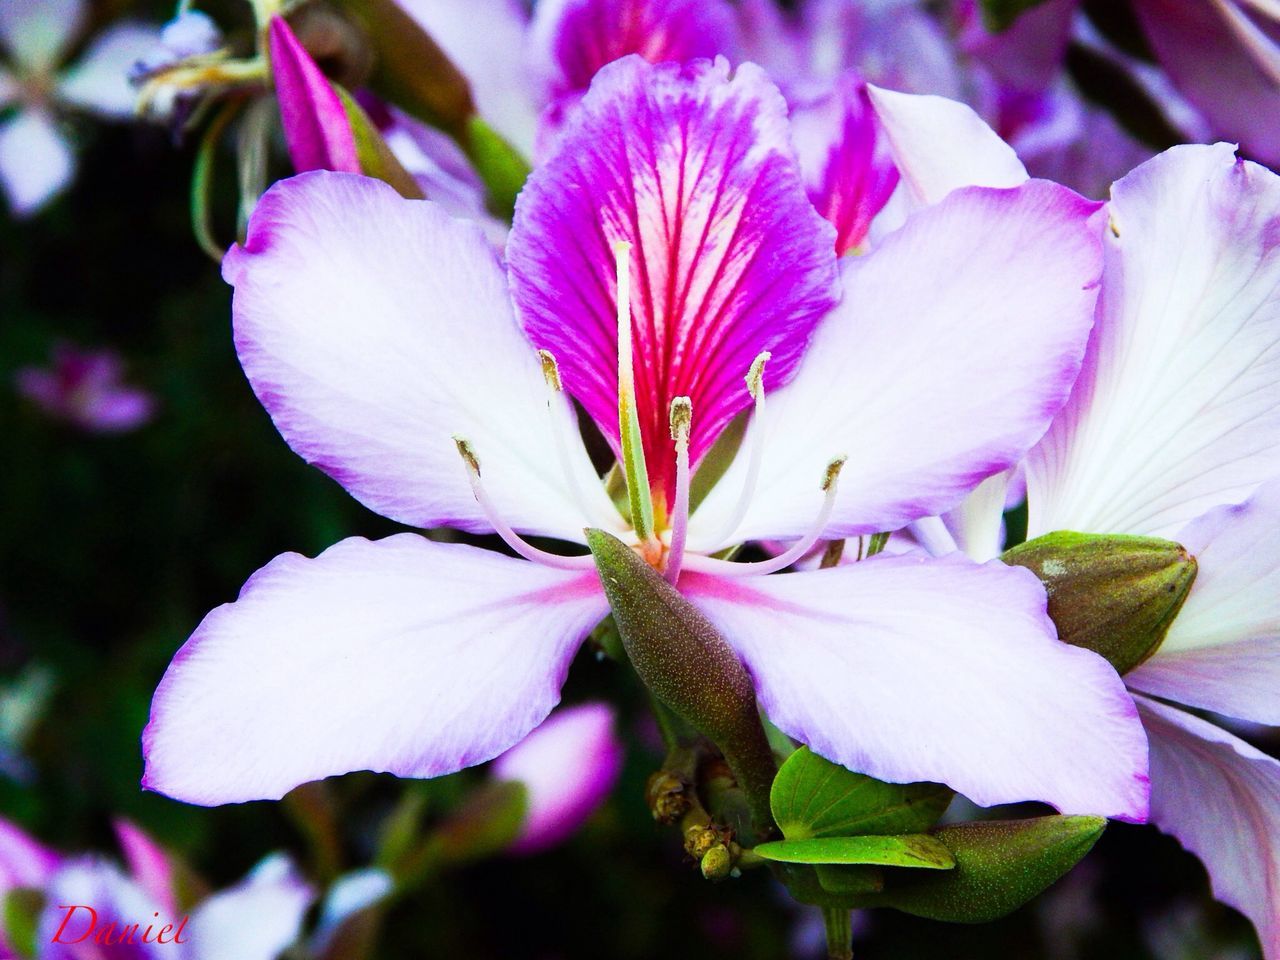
column 666, row 253
column 85, row 388
column 568, row 766
column 36, row 159
column 92, row 908
column 1173, row 431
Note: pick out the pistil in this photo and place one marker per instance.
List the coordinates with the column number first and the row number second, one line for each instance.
column 633, row 464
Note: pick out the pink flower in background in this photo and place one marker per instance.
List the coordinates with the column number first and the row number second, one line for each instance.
column 568, row 766
column 85, row 388
column 37, row 160
column 378, row 330
column 256, row 919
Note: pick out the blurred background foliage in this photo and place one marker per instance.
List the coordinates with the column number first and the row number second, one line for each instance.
column 114, row 546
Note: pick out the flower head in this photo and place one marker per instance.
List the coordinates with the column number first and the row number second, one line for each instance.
column 655, row 260
column 85, row 388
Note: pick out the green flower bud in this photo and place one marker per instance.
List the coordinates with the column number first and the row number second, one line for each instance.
column 688, row 665
column 1000, row 865
column 668, row 796
column 717, row 862
column 1115, row 595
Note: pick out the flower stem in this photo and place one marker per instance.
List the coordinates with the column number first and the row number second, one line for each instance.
column 837, row 920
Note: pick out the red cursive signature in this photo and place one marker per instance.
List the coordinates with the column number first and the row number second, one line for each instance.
column 113, row 933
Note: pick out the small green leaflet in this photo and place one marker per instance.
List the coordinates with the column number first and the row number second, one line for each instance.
column 812, row 797
column 917, row 850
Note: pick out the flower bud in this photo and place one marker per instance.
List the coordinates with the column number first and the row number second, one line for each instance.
column 568, row 765
column 1000, row 865
column 717, row 862
column 315, row 122
column 1115, row 595
column 687, row 664
column 668, row 796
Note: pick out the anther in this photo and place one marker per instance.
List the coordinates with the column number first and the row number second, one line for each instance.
column 500, row 527
column 550, row 370
column 797, row 550
column 681, row 425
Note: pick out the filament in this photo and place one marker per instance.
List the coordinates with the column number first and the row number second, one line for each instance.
column 681, row 424
column 795, row 552
column 755, row 449
column 500, row 527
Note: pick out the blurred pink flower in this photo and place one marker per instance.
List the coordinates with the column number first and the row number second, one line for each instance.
column 568, row 765
column 85, row 388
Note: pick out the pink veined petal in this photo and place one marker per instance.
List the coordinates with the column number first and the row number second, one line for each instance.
column 486, row 40
column 573, row 39
column 1176, row 409
column 99, row 80
column 940, row 145
column 848, row 170
column 692, row 166
column 1224, row 63
column 94, row 884
column 1223, row 651
column 373, row 328
column 254, row 920
column 315, row 122
column 400, row 655
column 36, row 162
column 908, row 668
column 37, row 33
column 24, row 861
column 148, row 863
column 1221, row 798
column 568, row 766
column 957, row 341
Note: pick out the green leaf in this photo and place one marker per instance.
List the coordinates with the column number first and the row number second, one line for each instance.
column 1000, row 865
column 813, row 797
column 918, row 850
column 855, row 880
column 500, row 166
column 1000, row 14
column 21, row 915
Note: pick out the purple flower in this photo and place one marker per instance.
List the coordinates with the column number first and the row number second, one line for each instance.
column 381, row 336
column 1173, row 430
column 85, row 388
column 254, row 920
column 36, row 159
column 568, row 765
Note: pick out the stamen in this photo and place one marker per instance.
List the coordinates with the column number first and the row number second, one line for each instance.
column 681, row 424
column 500, row 527
column 555, row 394
column 633, row 465
column 755, row 453
column 797, row 550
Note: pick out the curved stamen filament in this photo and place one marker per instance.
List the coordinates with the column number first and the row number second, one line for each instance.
column 755, row 453
column 555, row 394
column 500, row 527
column 633, row 465
column 798, row 549
column 681, row 424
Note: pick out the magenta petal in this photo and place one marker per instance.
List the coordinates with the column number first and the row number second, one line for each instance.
column 148, row 863
column 1221, row 798
column 847, row 164
column 568, row 765
column 400, row 655
column 24, row 861
column 315, row 123
column 693, row 167
column 574, row 39
column 909, row 668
